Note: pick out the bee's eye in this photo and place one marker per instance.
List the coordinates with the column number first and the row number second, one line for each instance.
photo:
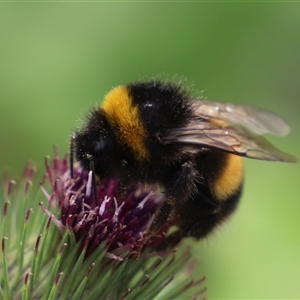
column 102, row 145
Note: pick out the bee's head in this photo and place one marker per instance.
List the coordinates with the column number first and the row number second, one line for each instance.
column 96, row 144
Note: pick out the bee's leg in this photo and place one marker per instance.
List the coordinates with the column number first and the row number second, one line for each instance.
column 72, row 155
column 181, row 186
column 161, row 217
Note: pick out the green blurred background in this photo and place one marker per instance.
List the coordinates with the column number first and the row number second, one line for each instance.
column 58, row 59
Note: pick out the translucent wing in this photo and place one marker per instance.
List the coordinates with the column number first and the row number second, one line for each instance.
column 233, row 128
column 257, row 120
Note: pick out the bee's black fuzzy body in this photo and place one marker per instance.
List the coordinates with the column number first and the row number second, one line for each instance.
column 156, row 133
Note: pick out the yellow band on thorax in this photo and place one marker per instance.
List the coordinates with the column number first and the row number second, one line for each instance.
column 124, row 117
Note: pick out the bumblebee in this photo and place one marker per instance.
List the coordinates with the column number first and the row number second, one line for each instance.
column 157, row 133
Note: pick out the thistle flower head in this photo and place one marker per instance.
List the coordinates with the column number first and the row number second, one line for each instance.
column 120, row 222
column 84, row 243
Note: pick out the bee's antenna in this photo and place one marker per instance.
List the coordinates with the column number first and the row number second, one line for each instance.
column 72, row 155
column 92, row 168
